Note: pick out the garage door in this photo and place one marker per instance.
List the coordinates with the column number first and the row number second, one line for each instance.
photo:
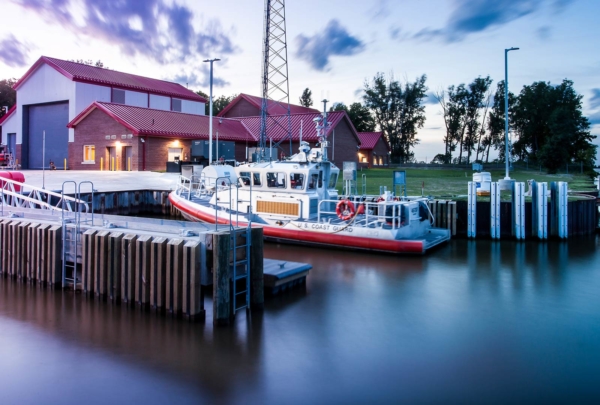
column 52, row 118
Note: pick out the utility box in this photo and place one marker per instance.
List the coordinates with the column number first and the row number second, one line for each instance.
column 483, row 182
column 350, row 171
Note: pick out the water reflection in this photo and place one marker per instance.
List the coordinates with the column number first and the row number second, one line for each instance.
column 472, row 321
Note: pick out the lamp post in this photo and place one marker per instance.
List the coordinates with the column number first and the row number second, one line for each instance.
column 506, row 157
column 210, row 110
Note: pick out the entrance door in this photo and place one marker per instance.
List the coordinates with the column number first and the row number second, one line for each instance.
column 127, row 152
column 12, row 144
column 112, row 158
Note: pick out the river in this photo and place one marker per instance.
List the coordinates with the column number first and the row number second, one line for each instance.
column 471, row 322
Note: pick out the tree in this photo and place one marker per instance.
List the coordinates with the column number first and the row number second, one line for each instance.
column 550, row 126
column 90, row 62
column 8, row 96
column 359, row 115
column 398, row 111
column 496, row 122
column 306, row 98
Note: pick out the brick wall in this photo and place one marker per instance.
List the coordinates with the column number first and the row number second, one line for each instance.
column 242, row 109
column 157, row 151
column 343, row 145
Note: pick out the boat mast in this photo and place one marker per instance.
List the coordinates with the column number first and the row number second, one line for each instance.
column 322, row 128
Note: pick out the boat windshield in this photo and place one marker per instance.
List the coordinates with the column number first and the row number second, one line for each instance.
column 276, row 180
column 256, row 179
column 312, row 184
column 332, row 180
column 297, row 181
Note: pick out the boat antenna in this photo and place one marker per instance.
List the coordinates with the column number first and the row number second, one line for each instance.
column 322, row 129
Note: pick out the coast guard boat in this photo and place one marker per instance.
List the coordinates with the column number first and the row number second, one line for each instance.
column 295, row 201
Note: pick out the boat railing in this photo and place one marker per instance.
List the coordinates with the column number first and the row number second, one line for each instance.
column 372, row 213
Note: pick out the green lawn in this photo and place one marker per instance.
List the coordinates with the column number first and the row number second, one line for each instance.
column 451, row 183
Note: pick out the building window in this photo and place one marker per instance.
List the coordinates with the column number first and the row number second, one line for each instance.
column 118, row 96
column 375, row 159
column 89, row 154
column 364, row 159
column 176, row 105
column 174, row 154
column 381, row 159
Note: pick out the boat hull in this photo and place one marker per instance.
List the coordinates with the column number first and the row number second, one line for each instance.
column 196, row 212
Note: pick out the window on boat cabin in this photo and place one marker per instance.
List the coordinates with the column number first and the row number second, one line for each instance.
column 314, row 178
column 332, row 180
column 276, row 180
column 245, row 178
column 297, row 181
column 320, row 184
column 256, row 179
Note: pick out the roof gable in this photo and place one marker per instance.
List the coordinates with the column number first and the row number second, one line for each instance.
column 273, row 107
column 79, row 72
column 368, row 140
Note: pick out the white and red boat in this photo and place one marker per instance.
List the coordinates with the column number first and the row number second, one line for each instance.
column 295, row 201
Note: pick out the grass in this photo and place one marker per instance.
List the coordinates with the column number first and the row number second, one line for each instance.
column 452, row 183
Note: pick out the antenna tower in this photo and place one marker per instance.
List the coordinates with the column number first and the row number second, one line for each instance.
column 275, row 85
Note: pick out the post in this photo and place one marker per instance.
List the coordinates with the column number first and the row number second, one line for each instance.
column 472, row 210
column 128, row 268
column 506, row 157
column 210, row 110
column 65, row 163
column 222, row 311
column 257, row 280
column 43, row 160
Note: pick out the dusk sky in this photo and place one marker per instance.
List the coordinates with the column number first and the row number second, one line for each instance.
column 333, row 46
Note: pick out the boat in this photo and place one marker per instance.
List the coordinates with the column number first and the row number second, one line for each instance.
column 295, row 200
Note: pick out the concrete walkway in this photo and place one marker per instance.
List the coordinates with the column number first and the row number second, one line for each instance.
column 104, row 181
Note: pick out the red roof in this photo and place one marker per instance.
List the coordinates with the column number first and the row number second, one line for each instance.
column 8, row 114
column 147, row 121
column 368, row 140
column 309, row 131
column 273, row 107
column 79, row 72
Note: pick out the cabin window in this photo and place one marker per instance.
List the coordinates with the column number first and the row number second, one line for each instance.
column 297, row 181
column 320, row 178
column 245, row 178
column 312, row 184
column 276, row 180
column 332, row 180
column 256, row 179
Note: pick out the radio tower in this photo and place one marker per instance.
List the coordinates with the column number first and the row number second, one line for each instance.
column 275, row 86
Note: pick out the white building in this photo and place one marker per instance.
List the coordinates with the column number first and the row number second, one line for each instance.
column 54, row 91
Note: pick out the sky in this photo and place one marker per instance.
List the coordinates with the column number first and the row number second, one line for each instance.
column 334, row 46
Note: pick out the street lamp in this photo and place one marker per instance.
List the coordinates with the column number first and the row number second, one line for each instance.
column 210, row 110
column 506, row 157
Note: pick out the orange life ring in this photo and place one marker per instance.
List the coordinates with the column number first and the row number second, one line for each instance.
column 345, row 210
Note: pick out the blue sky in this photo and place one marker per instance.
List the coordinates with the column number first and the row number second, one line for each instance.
column 333, row 46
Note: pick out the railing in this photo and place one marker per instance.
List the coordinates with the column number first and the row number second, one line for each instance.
column 20, row 195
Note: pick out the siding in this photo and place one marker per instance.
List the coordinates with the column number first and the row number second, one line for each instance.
column 86, row 94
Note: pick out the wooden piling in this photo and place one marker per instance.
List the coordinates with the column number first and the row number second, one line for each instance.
column 22, row 249
column 88, row 255
column 174, row 276
column 100, row 264
column 257, row 279
column 32, row 252
column 128, row 257
column 193, row 298
column 142, row 270
column 158, row 273
column 114, row 266
column 222, row 311
column 54, row 268
column 13, row 229
column 42, row 254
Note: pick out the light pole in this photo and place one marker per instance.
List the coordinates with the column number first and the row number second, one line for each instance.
column 506, row 157
column 210, row 110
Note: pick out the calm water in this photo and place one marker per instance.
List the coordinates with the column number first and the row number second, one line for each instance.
column 473, row 322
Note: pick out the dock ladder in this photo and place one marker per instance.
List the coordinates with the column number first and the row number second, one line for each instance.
column 71, row 229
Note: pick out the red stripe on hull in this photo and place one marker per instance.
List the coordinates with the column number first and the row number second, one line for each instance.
column 330, row 239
